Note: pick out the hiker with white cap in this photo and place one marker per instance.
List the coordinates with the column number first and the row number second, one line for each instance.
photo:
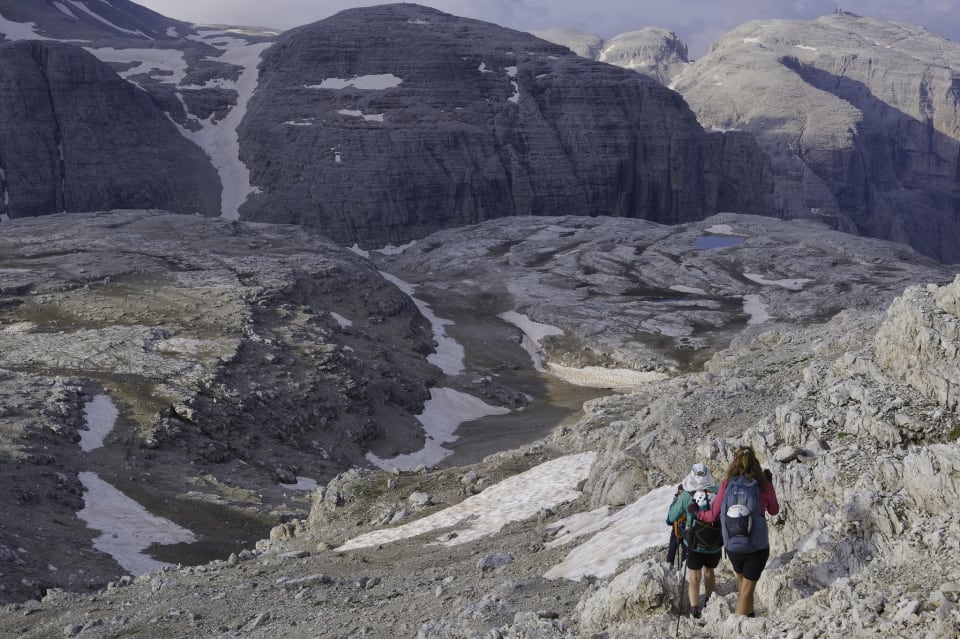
column 702, row 540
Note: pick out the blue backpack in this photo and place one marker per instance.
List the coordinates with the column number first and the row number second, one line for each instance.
column 741, row 503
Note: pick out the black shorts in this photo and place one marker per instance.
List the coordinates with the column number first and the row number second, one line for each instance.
column 698, row 560
column 749, row 564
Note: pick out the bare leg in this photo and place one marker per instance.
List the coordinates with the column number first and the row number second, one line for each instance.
column 745, row 589
column 693, row 588
column 709, row 581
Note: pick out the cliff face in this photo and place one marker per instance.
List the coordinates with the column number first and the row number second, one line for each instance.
column 449, row 121
column 74, row 136
column 859, row 117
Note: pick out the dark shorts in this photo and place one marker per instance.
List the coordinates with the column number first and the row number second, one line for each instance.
column 749, row 564
column 698, row 560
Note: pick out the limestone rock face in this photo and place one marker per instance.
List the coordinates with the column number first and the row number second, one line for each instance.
column 75, row 137
column 652, row 51
column 655, row 52
column 859, row 118
column 450, row 121
column 919, row 343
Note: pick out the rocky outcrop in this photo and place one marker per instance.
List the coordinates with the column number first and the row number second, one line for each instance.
column 75, row 137
column 918, row 343
column 859, row 118
column 450, row 121
column 654, row 52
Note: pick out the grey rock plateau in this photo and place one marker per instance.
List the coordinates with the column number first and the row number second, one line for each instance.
column 852, row 411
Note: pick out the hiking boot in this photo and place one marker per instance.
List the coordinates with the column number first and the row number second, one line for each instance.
column 695, row 612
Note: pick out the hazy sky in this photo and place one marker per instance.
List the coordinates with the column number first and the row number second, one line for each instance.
column 698, row 22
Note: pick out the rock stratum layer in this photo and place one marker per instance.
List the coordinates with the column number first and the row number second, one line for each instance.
column 449, row 121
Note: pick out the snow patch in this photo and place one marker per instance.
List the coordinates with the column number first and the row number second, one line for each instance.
column 390, row 249
column 751, row 40
column 600, row 377
column 806, row 47
column 442, row 414
column 449, row 355
column 619, row 537
column 359, row 251
column 127, row 527
column 754, row 306
column 100, row 414
column 533, row 332
column 308, row 122
column 418, row 21
column 20, row 30
column 720, row 229
column 516, row 498
column 303, row 483
column 680, row 288
column 341, row 320
column 170, row 61
column 375, row 117
column 795, row 284
column 483, row 68
column 377, row 82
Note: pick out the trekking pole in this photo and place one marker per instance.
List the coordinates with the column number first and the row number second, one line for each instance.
column 683, row 580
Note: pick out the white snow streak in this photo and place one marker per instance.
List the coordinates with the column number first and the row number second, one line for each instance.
column 680, row 288
column 442, row 415
column 20, row 30
column 375, row 117
column 449, row 355
column 96, row 16
column 533, row 332
column 100, row 414
column 621, row 536
column 720, row 229
column 795, row 284
column 219, row 140
column 341, row 320
column 64, row 9
column 127, row 527
column 377, row 82
column 390, row 249
column 516, row 498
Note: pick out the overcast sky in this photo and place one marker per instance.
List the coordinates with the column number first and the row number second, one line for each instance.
column 697, row 22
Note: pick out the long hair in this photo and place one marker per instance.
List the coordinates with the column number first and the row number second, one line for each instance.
column 746, row 464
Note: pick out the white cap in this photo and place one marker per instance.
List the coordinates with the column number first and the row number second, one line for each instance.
column 698, row 479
